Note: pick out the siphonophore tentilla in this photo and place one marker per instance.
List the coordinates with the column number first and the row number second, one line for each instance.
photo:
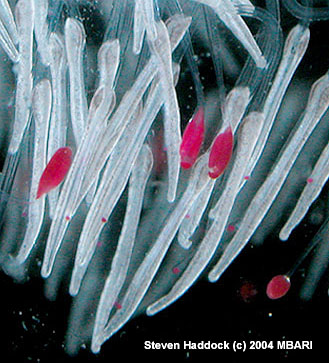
column 151, row 141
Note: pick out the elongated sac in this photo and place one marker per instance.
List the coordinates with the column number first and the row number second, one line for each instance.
column 192, row 140
column 278, row 287
column 220, row 153
column 55, row 171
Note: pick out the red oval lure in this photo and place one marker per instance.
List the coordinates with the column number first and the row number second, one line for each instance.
column 220, row 153
column 192, row 140
column 278, row 287
column 55, row 171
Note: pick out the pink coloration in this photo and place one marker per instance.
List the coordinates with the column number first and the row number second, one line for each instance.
column 176, row 270
column 220, row 153
column 187, row 216
column 118, row 305
column 310, row 180
column 230, row 228
column 67, row 218
column 55, row 171
column 104, row 220
column 247, row 177
column 159, row 155
column 192, row 140
column 278, row 287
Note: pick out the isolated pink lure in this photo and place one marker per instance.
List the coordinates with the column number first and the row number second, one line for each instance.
column 220, row 153
column 192, row 140
column 55, row 171
column 278, row 287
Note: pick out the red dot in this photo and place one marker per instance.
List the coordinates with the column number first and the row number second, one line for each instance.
column 230, row 228
column 310, row 180
column 176, row 270
column 187, row 216
column 247, row 177
column 278, row 287
column 67, row 218
column 117, row 305
column 104, row 220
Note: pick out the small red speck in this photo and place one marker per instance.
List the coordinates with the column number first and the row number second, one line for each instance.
column 278, row 287
column 176, row 270
column 67, row 218
column 247, row 291
column 247, row 177
column 187, row 216
column 310, row 180
column 230, row 228
column 192, row 140
column 220, row 153
column 24, row 214
column 118, row 305
column 104, row 220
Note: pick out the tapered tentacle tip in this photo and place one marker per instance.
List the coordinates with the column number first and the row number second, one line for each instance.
column 261, row 62
column 96, row 343
column 74, row 289
column 15, row 268
column 46, row 268
column 150, row 311
column 284, row 235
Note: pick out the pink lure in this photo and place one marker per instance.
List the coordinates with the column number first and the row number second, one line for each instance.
column 278, row 287
column 220, row 153
column 55, row 171
column 192, row 140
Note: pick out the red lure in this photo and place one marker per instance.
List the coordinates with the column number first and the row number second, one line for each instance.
column 192, row 140
column 278, row 287
column 55, row 171
column 220, row 153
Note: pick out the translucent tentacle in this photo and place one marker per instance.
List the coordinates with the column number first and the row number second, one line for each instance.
column 316, row 181
column 59, row 117
column 75, row 43
column 25, row 21
column 121, row 259
column 206, row 249
column 226, row 11
column 41, row 105
column 148, row 268
column 317, row 104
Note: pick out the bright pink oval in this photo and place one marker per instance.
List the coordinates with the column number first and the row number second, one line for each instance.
column 192, row 140
column 55, row 171
column 278, row 287
column 220, row 153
